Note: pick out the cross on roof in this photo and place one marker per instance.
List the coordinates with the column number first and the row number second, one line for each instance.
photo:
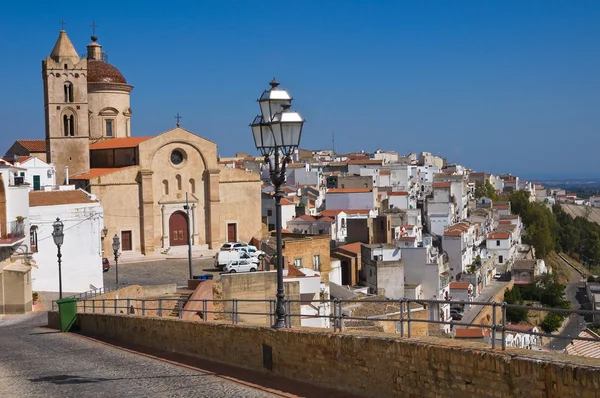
column 62, row 23
column 93, row 26
column 178, row 118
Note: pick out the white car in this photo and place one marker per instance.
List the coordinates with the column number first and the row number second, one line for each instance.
column 233, row 245
column 251, row 250
column 240, row 266
column 497, row 275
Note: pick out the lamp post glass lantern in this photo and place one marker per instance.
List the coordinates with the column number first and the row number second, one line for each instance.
column 104, row 232
column 58, row 236
column 116, row 246
column 276, row 132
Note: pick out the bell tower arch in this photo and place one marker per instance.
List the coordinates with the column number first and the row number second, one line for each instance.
column 66, row 109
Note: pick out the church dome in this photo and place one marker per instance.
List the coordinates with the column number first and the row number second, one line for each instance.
column 102, row 72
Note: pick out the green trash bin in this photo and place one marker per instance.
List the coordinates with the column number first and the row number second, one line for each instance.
column 67, row 310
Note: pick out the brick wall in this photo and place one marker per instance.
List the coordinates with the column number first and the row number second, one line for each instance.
column 374, row 366
column 305, row 247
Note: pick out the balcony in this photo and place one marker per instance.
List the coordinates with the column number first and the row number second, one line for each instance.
column 14, row 233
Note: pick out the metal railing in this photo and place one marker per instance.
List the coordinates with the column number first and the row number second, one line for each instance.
column 408, row 317
column 90, row 294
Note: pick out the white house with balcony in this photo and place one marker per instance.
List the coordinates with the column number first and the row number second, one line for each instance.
column 14, row 211
column 37, row 173
column 82, row 216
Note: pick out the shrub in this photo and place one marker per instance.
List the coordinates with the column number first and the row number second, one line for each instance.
column 552, row 322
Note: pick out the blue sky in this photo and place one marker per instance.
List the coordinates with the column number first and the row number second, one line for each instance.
column 499, row 86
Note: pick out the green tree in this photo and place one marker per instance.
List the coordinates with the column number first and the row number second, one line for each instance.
column 515, row 315
column 480, row 190
column 491, row 191
column 551, row 322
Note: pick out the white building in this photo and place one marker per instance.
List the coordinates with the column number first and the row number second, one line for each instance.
column 499, row 246
column 350, row 198
column 402, row 200
column 440, row 208
column 37, row 173
column 82, row 216
column 14, row 211
column 314, row 311
column 288, row 211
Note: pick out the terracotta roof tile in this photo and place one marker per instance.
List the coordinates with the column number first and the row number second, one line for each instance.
column 352, row 247
column 115, row 143
column 366, row 162
column 93, row 173
column 407, row 239
column 498, row 235
column 399, row 193
column 441, row 184
column 33, row 145
column 459, row 285
column 294, row 272
column 286, row 202
column 453, row 233
column 306, row 217
column 53, row 198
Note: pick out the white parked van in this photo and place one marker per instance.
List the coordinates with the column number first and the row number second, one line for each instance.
column 224, row 257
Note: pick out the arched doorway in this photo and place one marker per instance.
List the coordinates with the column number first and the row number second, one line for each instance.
column 178, row 229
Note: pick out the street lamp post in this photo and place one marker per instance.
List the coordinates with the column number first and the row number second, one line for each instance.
column 116, row 245
column 277, row 132
column 58, row 236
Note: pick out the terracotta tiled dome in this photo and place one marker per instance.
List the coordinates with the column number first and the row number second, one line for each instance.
column 102, row 72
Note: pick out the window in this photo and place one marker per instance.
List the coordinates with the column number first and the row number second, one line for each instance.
column 500, row 259
column 298, row 263
column 165, row 187
column 343, row 223
column 497, row 243
column 68, row 125
column 269, row 213
column 22, row 174
column 192, row 185
column 33, row 238
column 109, row 127
column 177, row 157
column 317, row 262
column 68, row 92
column 178, row 178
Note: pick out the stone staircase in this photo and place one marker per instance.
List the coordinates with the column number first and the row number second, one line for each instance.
column 182, row 296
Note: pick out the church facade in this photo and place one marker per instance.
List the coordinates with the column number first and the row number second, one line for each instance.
column 143, row 183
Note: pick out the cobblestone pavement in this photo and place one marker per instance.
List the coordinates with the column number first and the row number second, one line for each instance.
column 39, row 362
column 160, row 272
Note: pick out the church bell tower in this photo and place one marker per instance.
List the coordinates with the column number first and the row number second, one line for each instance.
column 66, row 109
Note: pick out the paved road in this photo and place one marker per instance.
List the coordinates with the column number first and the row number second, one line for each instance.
column 489, row 291
column 574, row 293
column 159, row 272
column 38, row 362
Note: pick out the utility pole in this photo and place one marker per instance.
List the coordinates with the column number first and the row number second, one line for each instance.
column 189, row 234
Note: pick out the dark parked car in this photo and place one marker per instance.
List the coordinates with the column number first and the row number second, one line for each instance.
column 105, row 265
